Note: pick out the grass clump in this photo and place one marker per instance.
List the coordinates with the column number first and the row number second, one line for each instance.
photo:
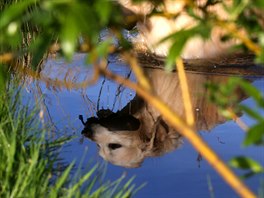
column 28, row 158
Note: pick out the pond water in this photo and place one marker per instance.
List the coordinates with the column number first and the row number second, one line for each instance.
column 178, row 173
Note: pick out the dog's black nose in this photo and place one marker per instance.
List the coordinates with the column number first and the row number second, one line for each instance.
column 88, row 131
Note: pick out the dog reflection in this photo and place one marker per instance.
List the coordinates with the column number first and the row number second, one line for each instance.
column 128, row 143
column 138, row 131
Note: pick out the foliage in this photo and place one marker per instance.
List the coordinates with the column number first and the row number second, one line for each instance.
column 221, row 95
column 62, row 21
column 76, row 25
column 243, row 15
column 28, row 159
column 66, row 22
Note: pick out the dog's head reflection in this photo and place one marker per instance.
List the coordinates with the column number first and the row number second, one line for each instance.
column 122, row 139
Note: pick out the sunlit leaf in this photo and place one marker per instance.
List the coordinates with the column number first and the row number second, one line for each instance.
column 69, row 37
column 12, row 28
column 226, row 113
column 174, row 53
column 103, row 47
column 179, row 39
column 246, row 163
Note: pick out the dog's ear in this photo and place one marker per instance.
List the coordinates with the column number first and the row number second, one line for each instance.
column 120, row 123
column 157, row 143
column 166, row 139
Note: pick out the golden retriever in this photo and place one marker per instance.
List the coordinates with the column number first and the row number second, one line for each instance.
column 138, row 131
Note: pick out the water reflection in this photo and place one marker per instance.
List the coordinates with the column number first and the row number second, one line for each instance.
column 170, row 174
column 127, row 137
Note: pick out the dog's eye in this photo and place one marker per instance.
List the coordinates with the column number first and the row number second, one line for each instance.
column 114, row 146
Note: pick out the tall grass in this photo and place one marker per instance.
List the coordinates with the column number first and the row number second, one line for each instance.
column 27, row 159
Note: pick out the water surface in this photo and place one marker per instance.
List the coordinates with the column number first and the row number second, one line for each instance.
column 175, row 174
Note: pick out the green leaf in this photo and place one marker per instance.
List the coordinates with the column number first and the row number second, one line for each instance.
column 253, row 92
column 248, row 174
column 103, row 47
column 255, row 135
column 69, row 36
column 259, row 3
column 238, row 8
column 260, row 57
column 80, row 182
column 246, row 164
column 179, row 39
column 252, row 113
column 61, row 181
column 103, row 8
column 176, row 48
column 101, row 51
column 14, row 10
column 174, row 53
column 39, row 47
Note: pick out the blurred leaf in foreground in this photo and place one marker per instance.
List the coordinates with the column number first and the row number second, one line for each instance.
column 248, row 164
column 255, row 135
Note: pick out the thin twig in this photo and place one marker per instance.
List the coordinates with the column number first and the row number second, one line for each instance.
column 139, row 73
column 185, row 93
column 234, row 30
column 237, row 120
column 60, row 83
column 119, row 90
